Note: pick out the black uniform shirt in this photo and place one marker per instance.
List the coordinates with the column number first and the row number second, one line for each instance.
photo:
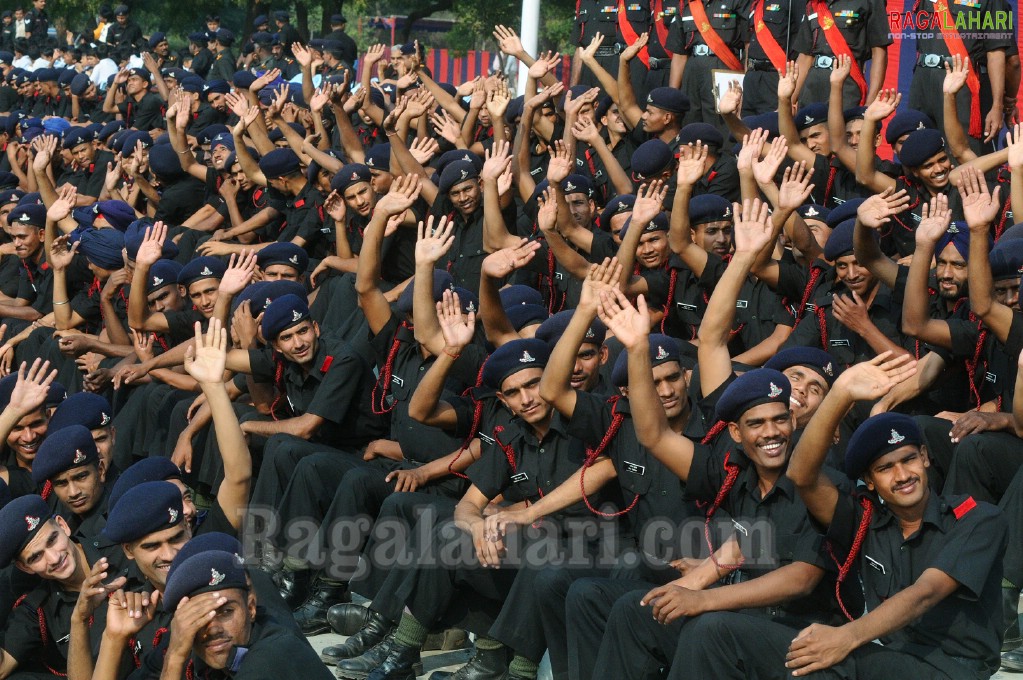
column 863, row 24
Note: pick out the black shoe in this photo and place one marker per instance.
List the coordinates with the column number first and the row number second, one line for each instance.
column 447, row 640
column 347, row 618
column 402, row 663
column 1010, row 620
column 293, row 585
column 512, row 676
column 372, row 634
column 311, row 617
column 485, row 664
column 1013, row 661
column 360, row 667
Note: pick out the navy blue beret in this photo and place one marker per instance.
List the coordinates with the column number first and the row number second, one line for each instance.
column 165, row 162
column 1013, row 232
column 201, row 268
column 277, row 134
column 350, row 174
column 47, row 75
column 11, row 196
column 616, row 206
column 78, row 135
column 663, row 349
column 260, row 20
column 244, row 79
column 812, row 211
column 577, row 184
column 66, row 76
column 338, row 19
column 211, row 131
column 813, row 358
column 205, row 572
column 709, row 208
column 101, row 247
column 224, row 36
column 877, row 436
column 701, row 132
column 843, row 211
column 378, row 157
column 519, row 294
column 261, row 294
column 118, row 213
column 514, row 110
column 283, row 253
column 283, row 313
column 213, row 540
column 192, row 83
column 921, row 145
column 840, row 242
column 763, row 121
column 88, row 409
column 312, row 171
column 109, row 129
column 33, row 214
column 906, row 121
column 651, row 158
column 855, row 113
column 67, row 448
column 79, row 84
column 217, row 86
column 811, row 114
column 1007, row 259
column 8, row 180
column 512, row 357
column 455, row 173
column 749, row 390
column 142, row 510
column 442, row 281
column 5, row 56
column 668, row 99
column 133, row 139
column 551, row 330
column 55, row 396
column 278, row 163
column 136, row 233
column 20, row 521
column 154, row 469
column 199, row 38
column 121, row 10
column 139, row 72
column 659, row 223
column 520, row 316
column 31, row 198
column 156, row 39
column 449, row 157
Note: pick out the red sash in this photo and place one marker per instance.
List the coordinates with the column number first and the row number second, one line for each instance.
column 660, row 26
column 766, row 39
column 630, row 35
column 838, row 45
column 955, row 46
column 711, row 37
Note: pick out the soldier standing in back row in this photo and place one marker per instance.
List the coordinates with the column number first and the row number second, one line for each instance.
column 704, row 37
column 857, row 28
column 772, row 32
column 593, row 17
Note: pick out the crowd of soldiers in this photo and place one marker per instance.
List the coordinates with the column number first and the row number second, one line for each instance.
column 650, row 373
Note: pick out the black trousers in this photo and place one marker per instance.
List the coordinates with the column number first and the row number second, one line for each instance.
column 984, row 464
column 698, row 86
column 817, row 88
column 728, row 645
column 281, row 456
column 925, row 94
column 759, row 92
column 1012, row 506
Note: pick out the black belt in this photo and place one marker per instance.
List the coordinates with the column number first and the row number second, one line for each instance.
column 608, row 50
column 932, row 60
column 761, row 65
column 658, row 63
column 823, row 61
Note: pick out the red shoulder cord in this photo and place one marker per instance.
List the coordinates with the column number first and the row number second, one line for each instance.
column 845, row 567
column 477, row 415
column 157, row 637
column 811, row 284
column 382, row 387
column 731, row 333
column 591, row 455
column 672, row 280
column 278, row 385
column 554, row 303
column 509, row 453
column 832, row 171
column 726, row 486
column 974, row 361
column 47, row 490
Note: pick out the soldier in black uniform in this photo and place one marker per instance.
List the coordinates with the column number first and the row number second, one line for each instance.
column 83, row 174
column 287, row 34
column 303, row 202
column 159, row 46
column 38, row 543
column 202, row 58
column 700, row 44
column 937, row 616
column 125, row 32
column 349, row 50
column 863, row 26
column 772, row 28
column 37, row 23
column 593, row 17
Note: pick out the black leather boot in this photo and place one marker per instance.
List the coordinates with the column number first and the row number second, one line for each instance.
column 293, row 585
column 404, row 665
column 485, row 664
column 311, row 617
column 372, row 634
column 1010, row 619
column 347, row 618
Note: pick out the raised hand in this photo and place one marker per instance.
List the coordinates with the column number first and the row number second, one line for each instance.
column 649, row 202
column 445, row 126
column 33, row 385
column 1014, row 142
column 955, row 74
column 841, row 70
column 878, row 209
column 62, row 252
column 496, row 161
column 692, row 163
column 585, row 131
column 404, row 192
column 588, row 53
column 334, row 205
column 630, row 52
column 787, row 81
column 206, row 360
column 574, row 105
column 501, row 263
column 752, row 145
column 731, row 100
column 423, row 149
column 560, row 165
column 507, row 40
column 142, row 342
column 873, row 379
column 94, row 592
column 65, row 203
column 631, row 325
column 544, row 64
column 601, row 279
column 265, row 79
column 935, row 217
column 980, row 205
column 547, row 215
column 753, row 229
column 458, row 329
column 434, row 243
column 795, row 187
column 766, row 169
column 239, row 273
column 884, row 105
column 151, row 249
